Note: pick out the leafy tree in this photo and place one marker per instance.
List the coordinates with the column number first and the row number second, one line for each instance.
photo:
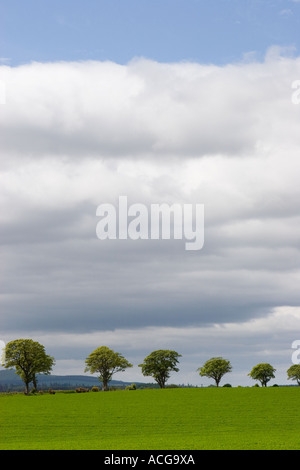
column 294, row 373
column 263, row 373
column 105, row 362
column 215, row 368
column 29, row 358
column 159, row 364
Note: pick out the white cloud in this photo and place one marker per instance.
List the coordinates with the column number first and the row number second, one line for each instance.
column 148, row 109
column 76, row 135
column 286, row 13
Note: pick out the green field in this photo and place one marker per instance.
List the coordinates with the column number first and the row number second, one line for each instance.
column 169, row 419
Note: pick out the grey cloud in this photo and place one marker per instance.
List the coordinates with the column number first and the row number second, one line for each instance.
column 62, row 124
column 81, row 285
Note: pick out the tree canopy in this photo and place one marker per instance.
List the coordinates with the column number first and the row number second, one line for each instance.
column 294, row 373
column 215, row 368
column 29, row 358
column 263, row 372
column 159, row 364
column 105, row 362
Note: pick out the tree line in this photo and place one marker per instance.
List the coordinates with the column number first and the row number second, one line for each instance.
column 29, row 358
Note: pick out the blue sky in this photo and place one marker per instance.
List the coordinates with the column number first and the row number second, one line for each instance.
column 214, row 31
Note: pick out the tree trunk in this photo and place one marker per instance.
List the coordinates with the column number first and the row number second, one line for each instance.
column 104, row 386
column 34, row 381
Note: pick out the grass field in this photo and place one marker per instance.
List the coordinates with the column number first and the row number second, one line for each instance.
column 170, row 419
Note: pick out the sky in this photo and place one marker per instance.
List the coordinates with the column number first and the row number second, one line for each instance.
column 164, row 102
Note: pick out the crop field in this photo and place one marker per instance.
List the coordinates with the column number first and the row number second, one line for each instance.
column 168, row 419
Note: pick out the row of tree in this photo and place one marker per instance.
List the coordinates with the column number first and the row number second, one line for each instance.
column 29, row 358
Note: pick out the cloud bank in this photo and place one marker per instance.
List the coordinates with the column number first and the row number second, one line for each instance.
column 75, row 135
column 145, row 108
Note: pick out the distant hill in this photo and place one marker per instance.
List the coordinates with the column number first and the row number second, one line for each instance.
column 10, row 381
